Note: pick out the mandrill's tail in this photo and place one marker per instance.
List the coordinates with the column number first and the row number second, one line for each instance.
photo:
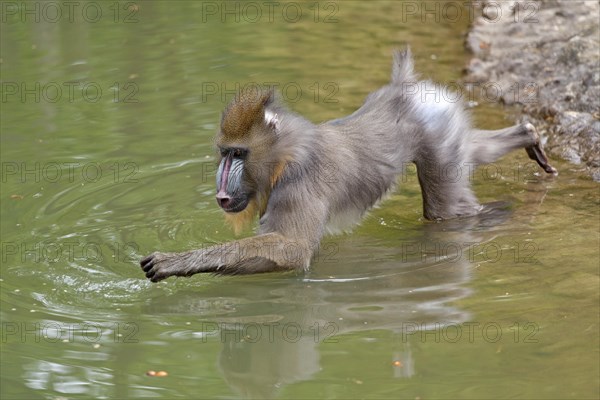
column 403, row 67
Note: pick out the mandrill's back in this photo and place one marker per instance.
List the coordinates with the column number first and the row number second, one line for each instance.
column 406, row 119
column 402, row 122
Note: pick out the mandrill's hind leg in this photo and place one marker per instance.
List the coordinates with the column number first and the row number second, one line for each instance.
column 444, row 171
column 488, row 146
column 444, row 186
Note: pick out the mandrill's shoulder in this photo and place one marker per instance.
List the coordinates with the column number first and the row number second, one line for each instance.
column 295, row 209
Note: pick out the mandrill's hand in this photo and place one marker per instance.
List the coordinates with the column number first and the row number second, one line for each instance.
column 159, row 266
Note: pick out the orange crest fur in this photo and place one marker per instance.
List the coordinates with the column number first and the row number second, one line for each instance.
column 241, row 220
column 243, row 112
column 277, row 171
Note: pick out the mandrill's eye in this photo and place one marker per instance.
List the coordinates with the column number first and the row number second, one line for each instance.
column 235, row 152
column 239, row 153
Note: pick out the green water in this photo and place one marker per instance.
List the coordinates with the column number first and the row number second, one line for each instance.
column 107, row 125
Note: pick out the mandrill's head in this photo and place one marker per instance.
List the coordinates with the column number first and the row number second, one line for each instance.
column 247, row 166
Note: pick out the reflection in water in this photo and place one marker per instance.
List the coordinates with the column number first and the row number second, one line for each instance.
column 272, row 331
column 259, row 368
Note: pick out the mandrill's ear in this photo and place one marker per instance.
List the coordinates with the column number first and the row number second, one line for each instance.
column 272, row 120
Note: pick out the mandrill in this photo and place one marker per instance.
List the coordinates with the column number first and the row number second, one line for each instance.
column 304, row 180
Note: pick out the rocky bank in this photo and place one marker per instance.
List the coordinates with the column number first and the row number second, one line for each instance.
column 545, row 56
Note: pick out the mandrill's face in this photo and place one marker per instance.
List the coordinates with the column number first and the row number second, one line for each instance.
column 233, row 191
column 245, row 142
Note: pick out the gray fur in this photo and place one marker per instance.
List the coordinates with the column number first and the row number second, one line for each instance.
column 343, row 167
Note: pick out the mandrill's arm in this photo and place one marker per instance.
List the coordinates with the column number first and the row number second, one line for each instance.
column 262, row 253
column 286, row 241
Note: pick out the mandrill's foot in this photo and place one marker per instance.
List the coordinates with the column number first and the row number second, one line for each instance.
column 536, row 152
column 159, row 266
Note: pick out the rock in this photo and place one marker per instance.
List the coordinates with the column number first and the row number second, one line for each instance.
column 544, row 56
